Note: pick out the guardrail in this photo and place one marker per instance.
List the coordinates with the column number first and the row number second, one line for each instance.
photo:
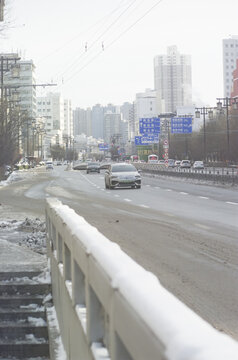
column 109, row 307
column 218, row 175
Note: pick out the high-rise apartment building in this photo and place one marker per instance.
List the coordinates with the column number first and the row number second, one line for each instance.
column 51, row 107
column 82, row 121
column 97, row 121
column 112, row 126
column 68, row 118
column 173, row 79
column 230, row 55
column 147, row 105
column 22, row 76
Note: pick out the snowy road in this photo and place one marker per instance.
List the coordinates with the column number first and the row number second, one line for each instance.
column 184, row 233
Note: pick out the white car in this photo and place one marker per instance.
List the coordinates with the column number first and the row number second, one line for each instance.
column 49, row 165
column 122, row 175
column 185, row 164
column 198, row 165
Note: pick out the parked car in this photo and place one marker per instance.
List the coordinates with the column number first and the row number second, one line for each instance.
column 198, row 165
column 59, row 163
column 122, row 175
column 185, row 164
column 93, row 167
column 171, row 163
column 49, row 165
column 177, row 163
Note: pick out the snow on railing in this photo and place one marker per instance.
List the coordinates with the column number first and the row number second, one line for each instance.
column 109, row 307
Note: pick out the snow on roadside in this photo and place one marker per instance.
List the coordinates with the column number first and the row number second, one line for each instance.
column 29, row 232
column 17, row 175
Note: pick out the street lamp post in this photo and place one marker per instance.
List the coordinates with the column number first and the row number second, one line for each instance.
column 204, row 111
column 227, row 103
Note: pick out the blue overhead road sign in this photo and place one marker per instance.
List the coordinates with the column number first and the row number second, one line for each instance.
column 181, row 125
column 146, row 139
column 149, row 125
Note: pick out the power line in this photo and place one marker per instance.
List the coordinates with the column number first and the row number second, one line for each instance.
column 81, row 33
column 98, row 38
column 124, row 32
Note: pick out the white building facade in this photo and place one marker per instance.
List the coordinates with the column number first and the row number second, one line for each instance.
column 147, row 105
column 173, row 78
column 230, row 55
column 22, row 76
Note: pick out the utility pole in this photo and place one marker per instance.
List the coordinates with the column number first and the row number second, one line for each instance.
column 227, row 103
column 204, row 111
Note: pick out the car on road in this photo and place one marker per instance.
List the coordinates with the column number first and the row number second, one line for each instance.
column 185, row 164
column 198, row 165
column 122, row 175
column 80, row 165
column 49, row 165
column 93, row 167
column 171, row 163
column 105, row 165
column 177, row 163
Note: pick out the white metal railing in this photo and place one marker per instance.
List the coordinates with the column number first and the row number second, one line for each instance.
column 109, row 307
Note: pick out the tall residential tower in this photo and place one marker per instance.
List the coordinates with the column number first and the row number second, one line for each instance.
column 230, row 55
column 173, row 79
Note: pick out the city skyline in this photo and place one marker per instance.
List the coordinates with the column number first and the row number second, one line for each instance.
column 106, row 56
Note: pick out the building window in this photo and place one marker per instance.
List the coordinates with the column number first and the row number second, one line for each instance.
column 231, row 45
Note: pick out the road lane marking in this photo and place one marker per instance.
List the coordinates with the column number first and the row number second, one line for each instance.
column 183, row 193
column 231, row 203
column 203, row 197
column 144, row 206
column 147, row 185
column 168, row 190
column 203, row 226
column 157, row 187
column 128, row 200
column 117, row 195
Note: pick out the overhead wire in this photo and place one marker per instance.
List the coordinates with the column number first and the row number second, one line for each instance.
column 84, row 54
column 112, row 42
column 81, row 33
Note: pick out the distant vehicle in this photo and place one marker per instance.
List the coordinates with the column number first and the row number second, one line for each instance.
column 49, row 165
column 198, row 165
column 93, row 167
column 80, row 166
column 185, row 164
column 152, row 159
column 135, row 158
column 122, row 175
column 171, row 163
column 105, row 165
column 59, row 163
column 177, row 163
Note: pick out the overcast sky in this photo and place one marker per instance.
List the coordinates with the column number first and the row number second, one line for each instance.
column 54, row 33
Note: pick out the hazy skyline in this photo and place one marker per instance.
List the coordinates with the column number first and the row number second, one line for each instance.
column 103, row 51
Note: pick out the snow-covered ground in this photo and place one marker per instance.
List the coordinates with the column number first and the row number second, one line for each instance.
column 28, row 232
column 17, row 176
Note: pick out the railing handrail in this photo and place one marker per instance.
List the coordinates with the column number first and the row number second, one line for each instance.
column 109, row 307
